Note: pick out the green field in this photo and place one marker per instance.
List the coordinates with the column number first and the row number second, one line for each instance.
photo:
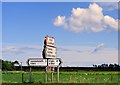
column 65, row 77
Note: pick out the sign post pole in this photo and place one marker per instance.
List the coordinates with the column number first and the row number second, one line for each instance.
column 46, row 74
column 52, row 76
column 21, row 72
column 58, row 73
column 30, row 74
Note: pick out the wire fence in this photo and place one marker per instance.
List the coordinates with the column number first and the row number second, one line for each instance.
column 65, row 77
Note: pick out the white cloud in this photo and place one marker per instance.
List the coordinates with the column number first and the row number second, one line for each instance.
column 87, row 20
column 111, row 22
column 21, row 52
column 109, row 6
column 12, row 49
column 59, row 21
column 86, row 58
column 98, row 47
column 70, row 55
column 18, row 49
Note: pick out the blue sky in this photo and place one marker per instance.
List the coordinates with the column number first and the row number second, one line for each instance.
column 26, row 25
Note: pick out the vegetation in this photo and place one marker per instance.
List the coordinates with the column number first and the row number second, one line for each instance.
column 107, row 66
column 103, row 73
column 8, row 65
column 65, row 77
column 59, row 84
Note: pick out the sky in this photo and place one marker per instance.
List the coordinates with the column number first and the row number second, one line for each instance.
column 85, row 33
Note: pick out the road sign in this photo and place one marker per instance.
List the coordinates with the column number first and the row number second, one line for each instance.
column 37, row 62
column 54, row 62
column 49, row 41
column 50, row 52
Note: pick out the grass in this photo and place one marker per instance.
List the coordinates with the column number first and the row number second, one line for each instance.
column 59, row 84
column 65, row 77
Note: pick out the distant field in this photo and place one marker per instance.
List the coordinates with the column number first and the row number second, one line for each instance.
column 65, row 77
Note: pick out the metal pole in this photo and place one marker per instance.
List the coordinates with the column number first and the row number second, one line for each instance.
column 46, row 74
column 21, row 72
column 30, row 74
column 111, row 78
column 58, row 74
column 51, row 76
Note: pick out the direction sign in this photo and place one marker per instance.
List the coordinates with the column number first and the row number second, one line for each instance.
column 50, row 52
column 54, row 62
column 49, row 41
column 37, row 62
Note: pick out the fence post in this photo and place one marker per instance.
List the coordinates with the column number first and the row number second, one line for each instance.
column 22, row 77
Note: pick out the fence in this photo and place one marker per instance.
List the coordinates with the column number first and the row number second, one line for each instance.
column 65, row 77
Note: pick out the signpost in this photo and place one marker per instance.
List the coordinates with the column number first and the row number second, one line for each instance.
column 49, row 59
column 49, row 52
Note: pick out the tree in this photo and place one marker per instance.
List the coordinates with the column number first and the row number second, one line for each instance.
column 8, row 65
column 111, row 65
column 116, row 66
column 15, row 62
column 94, row 65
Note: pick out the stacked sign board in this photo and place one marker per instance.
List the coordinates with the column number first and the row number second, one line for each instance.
column 49, row 41
column 49, row 55
column 49, row 50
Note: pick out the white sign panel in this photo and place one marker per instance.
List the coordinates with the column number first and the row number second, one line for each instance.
column 54, row 62
column 37, row 62
column 50, row 52
column 50, row 41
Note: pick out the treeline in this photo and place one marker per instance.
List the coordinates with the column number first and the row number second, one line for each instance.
column 69, row 69
column 107, row 66
column 8, row 65
column 11, row 66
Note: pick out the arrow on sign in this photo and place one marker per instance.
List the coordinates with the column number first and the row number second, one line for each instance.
column 54, row 62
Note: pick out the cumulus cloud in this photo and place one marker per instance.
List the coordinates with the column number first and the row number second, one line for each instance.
column 60, row 21
column 89, row 19
column 111, row 22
